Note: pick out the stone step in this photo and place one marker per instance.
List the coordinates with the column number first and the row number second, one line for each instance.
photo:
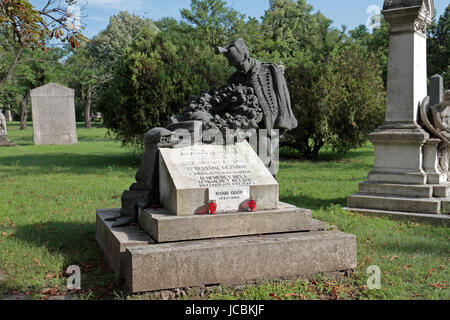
column 115, row 241
column 402, row 204
column 237, row 260
column 440, row 220
column 400, row 190
column 441, row 191
column 165, row 227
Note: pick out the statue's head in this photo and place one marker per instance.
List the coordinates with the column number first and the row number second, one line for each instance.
column 237, row 54
column 447, row 96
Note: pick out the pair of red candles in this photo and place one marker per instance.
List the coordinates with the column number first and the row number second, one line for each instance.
column 213, row 206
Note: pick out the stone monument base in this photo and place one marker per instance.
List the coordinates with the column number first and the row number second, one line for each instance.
column 262, row 247
column 417, row 203
column 4, row 142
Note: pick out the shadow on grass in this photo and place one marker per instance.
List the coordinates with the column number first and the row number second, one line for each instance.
column 414, row 246
column 75, row 243
column 75, row 163
column 71, row 240
column 313, row 203
column 293, row 164
column 328, row 155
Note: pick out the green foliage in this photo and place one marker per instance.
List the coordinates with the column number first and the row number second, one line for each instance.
column 439, row 48
column 376, row 42
column 35, row 68
column 88, row 78
column 109, row 45
column 215, row 23
column 154, row 80
column 338, row 103
column 335, row 101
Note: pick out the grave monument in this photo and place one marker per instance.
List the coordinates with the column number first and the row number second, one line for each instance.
column 205, row 207
column 410, row 179
column 53, row 110
column 4, row 142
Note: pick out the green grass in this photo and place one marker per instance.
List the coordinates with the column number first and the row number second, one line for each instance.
column 49, row 194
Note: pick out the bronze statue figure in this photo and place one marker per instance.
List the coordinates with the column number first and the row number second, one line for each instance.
column 255, row 97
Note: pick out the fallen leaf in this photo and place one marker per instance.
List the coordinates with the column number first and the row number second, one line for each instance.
column 438, row 285
column 393, row 258
column 408, row 266
column 275, row 296
column 430, row 273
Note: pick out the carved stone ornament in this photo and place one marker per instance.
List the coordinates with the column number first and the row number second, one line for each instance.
column 3, row 130
column 409, row 15
column 436, row 120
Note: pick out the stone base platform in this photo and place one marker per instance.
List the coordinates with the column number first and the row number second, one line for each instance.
column 392, row 203
column 403, row 198
column 148, row 266
column 4, row 142
column 432, row 219
column 165, row 227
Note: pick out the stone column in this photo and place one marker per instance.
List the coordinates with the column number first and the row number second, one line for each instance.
column 399, row 142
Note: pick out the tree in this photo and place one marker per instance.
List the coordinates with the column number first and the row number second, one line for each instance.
column 338, row 103
column 87, row 78
column 109, row 45
column 153, row 81
column 214, row 21
column 376, row 42
column 439, row 48
column 32, row 28
column 35, row 69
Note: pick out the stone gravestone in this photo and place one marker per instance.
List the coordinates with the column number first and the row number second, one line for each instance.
column 205, row 206
column 230, row 175
column 408, row 181
column 53, row 109
column 436, row 90
column 4, row 142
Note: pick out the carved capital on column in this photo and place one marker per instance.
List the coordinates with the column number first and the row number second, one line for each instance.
column 409, row 15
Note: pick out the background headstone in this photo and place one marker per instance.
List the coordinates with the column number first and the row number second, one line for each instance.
column 436, row 90
column 8, row 116
column 53, row 109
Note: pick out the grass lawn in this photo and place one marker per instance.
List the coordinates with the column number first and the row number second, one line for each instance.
column 49, row 195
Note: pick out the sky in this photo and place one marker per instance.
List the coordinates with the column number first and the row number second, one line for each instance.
column 96, row 13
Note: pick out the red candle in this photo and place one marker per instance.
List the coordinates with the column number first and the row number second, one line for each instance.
column 212, row 207
column 252, row 205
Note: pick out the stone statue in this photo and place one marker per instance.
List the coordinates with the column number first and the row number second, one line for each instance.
column 3, row 130
column 441, row 115
column 255, row 97
column 437, row 120
column 4, row 142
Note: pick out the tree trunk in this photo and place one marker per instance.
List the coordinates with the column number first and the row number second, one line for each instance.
column 11, row 68
column 315, row 151
column 23, row 119
column 87, row 110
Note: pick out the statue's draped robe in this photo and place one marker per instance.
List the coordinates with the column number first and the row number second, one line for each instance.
column 271, row 89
